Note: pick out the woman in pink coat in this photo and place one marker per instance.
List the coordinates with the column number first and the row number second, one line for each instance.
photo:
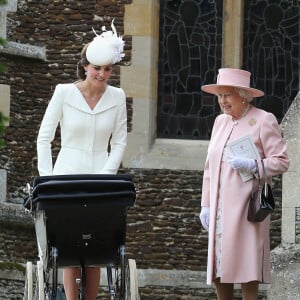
column 238, row 250
column 92, row 116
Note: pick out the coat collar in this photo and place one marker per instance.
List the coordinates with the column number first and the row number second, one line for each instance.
column 76, row 100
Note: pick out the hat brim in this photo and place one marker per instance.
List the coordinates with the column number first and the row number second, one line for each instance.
column 213, row 88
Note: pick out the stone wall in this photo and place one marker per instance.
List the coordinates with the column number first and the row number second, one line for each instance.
column 291, row 204
column 298, row 225
column 11, row 289
column 285, row 259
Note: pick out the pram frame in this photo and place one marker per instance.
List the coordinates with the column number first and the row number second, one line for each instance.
column 123, row 286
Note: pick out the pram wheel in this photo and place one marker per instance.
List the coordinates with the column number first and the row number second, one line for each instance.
column 51, row 273
column 124, row 285
column 39, row 283
column 128, row 291
column 28, row 290
column 131, row 283
column 46, row 283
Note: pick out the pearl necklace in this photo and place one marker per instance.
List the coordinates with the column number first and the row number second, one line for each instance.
column 235, row 121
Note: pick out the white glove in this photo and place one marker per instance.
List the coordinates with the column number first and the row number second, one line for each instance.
column 237, row 163
column 204, row 217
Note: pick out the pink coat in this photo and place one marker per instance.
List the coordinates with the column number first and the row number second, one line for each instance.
column 245, row 245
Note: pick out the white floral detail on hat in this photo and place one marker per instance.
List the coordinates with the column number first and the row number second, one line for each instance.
column 106, row 48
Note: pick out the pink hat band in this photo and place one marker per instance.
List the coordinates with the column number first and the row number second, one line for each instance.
column 234, row 78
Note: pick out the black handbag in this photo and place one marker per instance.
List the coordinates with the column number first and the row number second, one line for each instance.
column 261, row 202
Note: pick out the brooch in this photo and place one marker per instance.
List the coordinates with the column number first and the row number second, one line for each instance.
column 252, row 122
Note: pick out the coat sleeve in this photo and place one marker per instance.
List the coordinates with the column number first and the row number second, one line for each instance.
column 274, row 147
column 118, row 139
column 205, row 197
column 47, row 131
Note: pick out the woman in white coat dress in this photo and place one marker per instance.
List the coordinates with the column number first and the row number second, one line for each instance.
column 238, row 250
column 92, row 118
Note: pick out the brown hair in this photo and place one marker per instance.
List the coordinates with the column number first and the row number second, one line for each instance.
column 83, row 62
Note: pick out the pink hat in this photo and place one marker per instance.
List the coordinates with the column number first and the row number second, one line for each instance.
column 235, row 78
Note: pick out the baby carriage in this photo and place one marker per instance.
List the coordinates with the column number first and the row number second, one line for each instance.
column 80, row 220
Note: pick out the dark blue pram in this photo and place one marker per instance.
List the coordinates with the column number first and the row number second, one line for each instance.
column 80, row 220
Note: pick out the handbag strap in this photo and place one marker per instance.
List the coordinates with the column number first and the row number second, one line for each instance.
column 257, row 170
column 265, row 184
column 264, row 170
column 258, row 176
column 266, row 190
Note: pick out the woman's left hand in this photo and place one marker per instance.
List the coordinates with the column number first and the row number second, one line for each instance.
column 204, row 217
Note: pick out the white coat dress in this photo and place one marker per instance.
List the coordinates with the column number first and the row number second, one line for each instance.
column 85, row 132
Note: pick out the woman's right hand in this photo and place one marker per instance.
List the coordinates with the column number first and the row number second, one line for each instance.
column 243, row 163
column 204, row 217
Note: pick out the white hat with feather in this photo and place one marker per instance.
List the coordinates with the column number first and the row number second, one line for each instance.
column 106, row 48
